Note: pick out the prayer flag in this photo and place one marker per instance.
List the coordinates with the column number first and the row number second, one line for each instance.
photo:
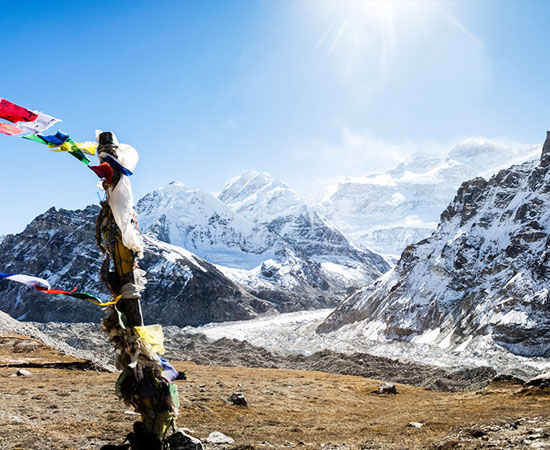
column 42, row 123
column 55, row 139
column 15, row 113
column 104, row 171
column 115, row 164
column 168, row 371
column 26, row 279
column 88, row 147
column 9, row 129
column 53, row 291
column 153, row 335
column 36, row 138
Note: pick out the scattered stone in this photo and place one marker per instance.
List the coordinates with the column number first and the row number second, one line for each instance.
column 237, row 398
column 23, row 373
column 387, row 388
column 203, row 390
column 131, row 413
column 181, row 376
column 218, row 438
column 202, row 385
column 415, row 425
column 180, row 440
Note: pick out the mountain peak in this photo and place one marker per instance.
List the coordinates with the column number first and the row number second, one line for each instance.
column 545, row 157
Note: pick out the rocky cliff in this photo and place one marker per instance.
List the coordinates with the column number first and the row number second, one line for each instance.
column 386, row 212
column 484, row 272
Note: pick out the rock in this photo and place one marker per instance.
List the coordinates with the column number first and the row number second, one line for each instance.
column 23, row 372
column 181, row 376
column 415, row 425
column 203, row 390
column 387, row 388
column 218, row 438
column 180, row 440
column 507, row 378
column 542, row 380
column 238, row 399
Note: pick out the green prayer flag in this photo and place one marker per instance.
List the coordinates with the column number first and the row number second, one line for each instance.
column 36, row 138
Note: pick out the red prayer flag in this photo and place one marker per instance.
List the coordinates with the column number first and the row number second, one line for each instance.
column 52, row 291
column 15, row 113
column 104, row 171
column 9, row 129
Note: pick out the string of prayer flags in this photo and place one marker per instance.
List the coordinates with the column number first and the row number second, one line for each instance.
column 92, row 298
column 43, row 286
column 61, row 142
column 26, row 121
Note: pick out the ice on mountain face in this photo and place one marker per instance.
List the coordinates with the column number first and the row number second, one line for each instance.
column 199, row 222
column 387, row 212
column 267, row 201
column 483, row 274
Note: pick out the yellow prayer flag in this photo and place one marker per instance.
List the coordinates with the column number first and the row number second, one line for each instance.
column 64, row 147
column 88, row 147
column 153, row 335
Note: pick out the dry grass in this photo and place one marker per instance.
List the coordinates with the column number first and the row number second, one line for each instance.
column 71, row 409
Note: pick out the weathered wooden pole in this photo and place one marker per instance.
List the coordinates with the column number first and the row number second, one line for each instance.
column 146, row 379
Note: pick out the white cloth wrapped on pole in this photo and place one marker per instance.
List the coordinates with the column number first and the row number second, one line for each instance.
column 121, row 202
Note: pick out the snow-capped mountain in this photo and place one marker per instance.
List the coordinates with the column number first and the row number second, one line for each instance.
column 267, row 201
column 303, row 257
column 484, row 273
column 200, row 223
column 182, row 288
column 386, row 212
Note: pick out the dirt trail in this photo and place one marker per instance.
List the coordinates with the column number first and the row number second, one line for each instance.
column 77, row 409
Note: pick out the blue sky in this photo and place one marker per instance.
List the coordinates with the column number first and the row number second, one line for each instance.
column 307, row 91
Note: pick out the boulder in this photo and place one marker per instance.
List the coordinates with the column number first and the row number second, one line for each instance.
column 237, row 398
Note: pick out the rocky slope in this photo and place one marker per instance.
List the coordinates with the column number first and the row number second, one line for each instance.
column 59, row 246
column 386, row 212
column 484, row 272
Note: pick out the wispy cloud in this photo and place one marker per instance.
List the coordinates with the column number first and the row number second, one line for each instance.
column 351, row 154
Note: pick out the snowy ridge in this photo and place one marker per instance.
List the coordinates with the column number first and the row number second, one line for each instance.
column 199, row 222
column 483, row 274
column 265, row 200
column 386, row 212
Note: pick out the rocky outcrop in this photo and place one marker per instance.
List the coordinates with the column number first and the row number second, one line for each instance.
column 484, row 272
